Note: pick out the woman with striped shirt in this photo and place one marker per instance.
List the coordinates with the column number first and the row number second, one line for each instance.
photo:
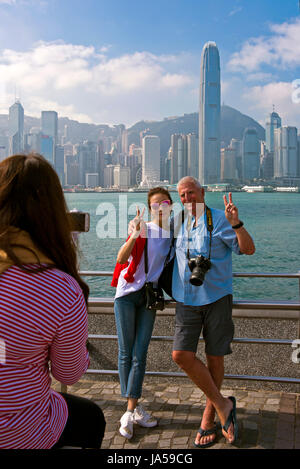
column 43, row 314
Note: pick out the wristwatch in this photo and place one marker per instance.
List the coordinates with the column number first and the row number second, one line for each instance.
column 239, row 225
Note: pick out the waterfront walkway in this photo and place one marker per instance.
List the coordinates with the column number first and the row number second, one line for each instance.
column 267, row 419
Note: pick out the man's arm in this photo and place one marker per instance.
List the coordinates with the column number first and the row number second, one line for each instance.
column 245, row 241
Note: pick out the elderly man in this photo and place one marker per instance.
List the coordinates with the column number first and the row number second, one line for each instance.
column 203, row 293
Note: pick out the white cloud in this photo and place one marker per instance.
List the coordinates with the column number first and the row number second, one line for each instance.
column 80, row 81
column 260, row 99
column 235, row 11
column 280, row 50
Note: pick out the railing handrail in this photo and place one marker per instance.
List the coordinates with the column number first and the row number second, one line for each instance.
column 240, row 304
column 101, row 273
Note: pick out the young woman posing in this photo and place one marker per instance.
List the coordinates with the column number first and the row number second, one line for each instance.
column 134, row 321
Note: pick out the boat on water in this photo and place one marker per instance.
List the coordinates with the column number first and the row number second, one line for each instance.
column 258, row 189
column 288, row 189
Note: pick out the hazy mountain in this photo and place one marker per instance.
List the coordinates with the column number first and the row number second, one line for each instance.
column 233, row 124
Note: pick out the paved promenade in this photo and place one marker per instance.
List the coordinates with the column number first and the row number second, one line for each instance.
column 267, row 419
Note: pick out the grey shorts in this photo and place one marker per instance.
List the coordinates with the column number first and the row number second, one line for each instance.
column 216, row 321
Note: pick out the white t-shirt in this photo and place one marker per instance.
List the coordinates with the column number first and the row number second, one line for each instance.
column 158, row 248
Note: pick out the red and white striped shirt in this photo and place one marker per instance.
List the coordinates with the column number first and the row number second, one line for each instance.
column 43, row 324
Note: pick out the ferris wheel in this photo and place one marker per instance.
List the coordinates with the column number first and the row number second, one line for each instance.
column 138, row 176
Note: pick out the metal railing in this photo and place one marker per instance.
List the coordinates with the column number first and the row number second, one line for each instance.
column 291, row 309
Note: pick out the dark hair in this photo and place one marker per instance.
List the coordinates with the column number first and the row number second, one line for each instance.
column 32, row 199
column 158, row 190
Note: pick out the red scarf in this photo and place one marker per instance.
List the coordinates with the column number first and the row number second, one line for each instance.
column 136, row 254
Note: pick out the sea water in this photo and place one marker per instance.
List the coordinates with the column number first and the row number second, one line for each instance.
column 272, row 219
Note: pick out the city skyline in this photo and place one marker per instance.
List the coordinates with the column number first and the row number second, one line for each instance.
column 108, row 67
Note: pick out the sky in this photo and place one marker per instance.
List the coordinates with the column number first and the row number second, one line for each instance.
column 121, row 61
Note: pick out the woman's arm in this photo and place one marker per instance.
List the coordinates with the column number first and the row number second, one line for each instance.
column 126, row 250
column 69, row 357
column 135, row 228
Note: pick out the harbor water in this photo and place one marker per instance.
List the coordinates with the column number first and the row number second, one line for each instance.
column 272, row 219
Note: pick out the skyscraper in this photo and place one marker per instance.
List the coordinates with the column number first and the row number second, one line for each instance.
column 16, row 128
column 50, row 124
column 285, row 152
column 151, row 159
column 251, row 154
column 209, row 115
column 273, row 122
column 49, row 129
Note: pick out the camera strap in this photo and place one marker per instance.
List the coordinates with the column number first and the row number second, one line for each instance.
column 209, row 226
column 146, row 256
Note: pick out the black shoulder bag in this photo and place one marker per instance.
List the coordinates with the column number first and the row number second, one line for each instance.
column 165, row 279
column 154, row 295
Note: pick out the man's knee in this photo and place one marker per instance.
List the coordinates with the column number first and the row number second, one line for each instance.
column 183, row 358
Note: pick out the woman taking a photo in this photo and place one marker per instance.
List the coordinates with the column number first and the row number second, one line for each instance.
column 43, row 314
column 134, row 321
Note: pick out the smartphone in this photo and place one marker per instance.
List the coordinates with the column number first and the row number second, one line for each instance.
column 80, row 221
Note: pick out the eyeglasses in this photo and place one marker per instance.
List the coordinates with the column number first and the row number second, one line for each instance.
column 162, row 205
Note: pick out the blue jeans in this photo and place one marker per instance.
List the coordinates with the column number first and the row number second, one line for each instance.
column 134, row 324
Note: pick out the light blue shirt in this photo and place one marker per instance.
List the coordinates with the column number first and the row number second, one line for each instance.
column 218, row 280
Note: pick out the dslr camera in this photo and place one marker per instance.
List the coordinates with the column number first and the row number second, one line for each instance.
column 198, row 265
column 154, row 297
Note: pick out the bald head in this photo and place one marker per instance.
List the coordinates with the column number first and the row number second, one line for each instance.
column 189, row 180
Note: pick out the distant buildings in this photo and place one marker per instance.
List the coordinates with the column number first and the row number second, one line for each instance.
column 273, row 122
column 150, row 159
column 285, row 152
column 250, row 155
column 209, row 115
column 16, row 128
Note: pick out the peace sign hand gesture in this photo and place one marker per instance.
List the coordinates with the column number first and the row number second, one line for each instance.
column 231, row 211
column 137, row 224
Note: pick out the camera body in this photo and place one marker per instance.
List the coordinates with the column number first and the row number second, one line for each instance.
column 154, row 297
column 80, row 221
column 198, row 265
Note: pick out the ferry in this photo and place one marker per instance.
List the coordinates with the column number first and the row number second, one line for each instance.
column 288, row 189
column 257, row 189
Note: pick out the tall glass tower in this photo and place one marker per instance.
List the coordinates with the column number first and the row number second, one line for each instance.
column 16, row 128
column 273, row 122
column 209, row 115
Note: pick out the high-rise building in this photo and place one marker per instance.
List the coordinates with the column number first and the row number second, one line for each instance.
column 4, row 147
column 109, row 175
column 49, row 121
column 209, row 115
column 16, row 128
column 285, row 152
column 237, row 145
column 47, row 148
column 91, row 180
column 59, row 163
column 251, row 154
column 273, row 122
column 121, row 177
column 88, row 159
column 151, row 159
column 228, row 164
column 192, row 155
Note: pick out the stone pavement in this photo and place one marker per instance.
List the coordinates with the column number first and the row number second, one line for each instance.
column 267, row 419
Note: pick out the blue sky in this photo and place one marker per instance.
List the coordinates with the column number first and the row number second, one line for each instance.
column 121, row 61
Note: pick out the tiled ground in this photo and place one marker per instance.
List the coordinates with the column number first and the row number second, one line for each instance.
column 267, row 419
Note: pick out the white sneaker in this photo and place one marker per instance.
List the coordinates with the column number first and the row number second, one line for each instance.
column 142, row 417
column 126, row 428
